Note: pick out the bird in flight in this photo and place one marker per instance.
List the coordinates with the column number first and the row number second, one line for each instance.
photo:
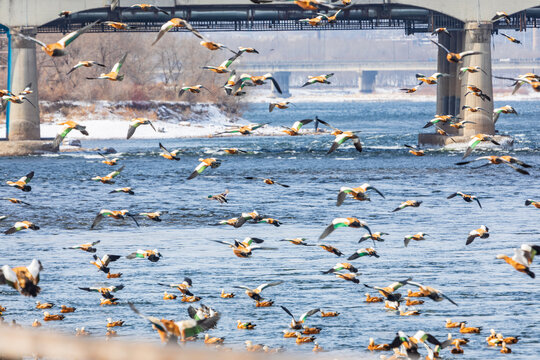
column 224, row 66
column 441, row 30
column 113, row 74
column 477, row 139
column 344, row 222
column 466, row 197
column 195, row 89
column 169, row 155
column 321, row 79
column 204, row 163
column 342, row 136
column 470, row 69
column 58, row 48
column 85, row 63
column 22, row 183
column 501, row 15
column 149, row 7
column 68, row 126
column 171, row 24
column 482, row 232
column 496, row 160
column 522, row 259
column 24, row 279
column 456, row 57
column 108, row 179
column 136, row 123
column 507, row 109
column 512, row 39
column 430, row 80
column 358, row 193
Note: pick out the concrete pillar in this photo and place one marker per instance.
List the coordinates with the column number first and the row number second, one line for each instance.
column 478, row 38
column 366, row 81
column 283, row 79
column 24, row 118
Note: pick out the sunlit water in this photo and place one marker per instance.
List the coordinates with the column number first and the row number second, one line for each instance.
column 489, row 292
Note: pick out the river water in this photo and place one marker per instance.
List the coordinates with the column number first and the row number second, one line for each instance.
column 64, row 202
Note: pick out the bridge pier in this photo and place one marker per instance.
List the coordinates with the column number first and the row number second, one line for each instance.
column 24, row 118
column 451, row 95
column 283, row 79
column 22, row 121
column 448, row 88
column 478, row 38
column 366, row 81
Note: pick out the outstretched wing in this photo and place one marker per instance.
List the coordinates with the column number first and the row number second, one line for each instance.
column 26, row 179
column 131, row 131
column 287, row 311
column 116, row 68
column 69, row 38
column 440, row 45
column 116, row 172
column 447, row 298
column 304, row 316
column 451, row 196
column 155, row 321
column 199, row 169
column 264, row 286
column 229, row 61
column 165, row 149
column 341, row 198
column 327, row 231
column 276, row 85
column 377, row 191
column 97, row 220
column 29, row 38
column 164, row 29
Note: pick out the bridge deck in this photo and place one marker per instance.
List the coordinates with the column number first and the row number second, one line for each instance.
column 280, row 17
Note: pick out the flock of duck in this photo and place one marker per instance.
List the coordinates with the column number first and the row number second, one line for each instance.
column 25, row 279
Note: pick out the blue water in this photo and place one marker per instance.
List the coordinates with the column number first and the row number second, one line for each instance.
column 489, row 292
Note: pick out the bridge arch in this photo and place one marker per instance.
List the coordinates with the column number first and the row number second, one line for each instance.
column 470, row 10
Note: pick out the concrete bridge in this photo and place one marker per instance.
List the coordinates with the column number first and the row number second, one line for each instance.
column 366, row 71
column 470, row 19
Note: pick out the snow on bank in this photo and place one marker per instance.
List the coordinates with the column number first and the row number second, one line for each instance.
column 108, row 120
column 117, row 129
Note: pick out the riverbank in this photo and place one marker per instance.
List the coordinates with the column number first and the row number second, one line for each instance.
column 110, row 120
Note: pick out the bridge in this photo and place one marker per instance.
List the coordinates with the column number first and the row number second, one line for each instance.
column 469, row 21
column 366, row 71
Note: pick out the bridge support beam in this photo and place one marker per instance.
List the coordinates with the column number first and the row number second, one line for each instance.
column 476, row 37
column 283, row 79
column 366, row 81
column 24, row 118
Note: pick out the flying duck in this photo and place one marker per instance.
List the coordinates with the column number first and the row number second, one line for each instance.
column 24, row 279
column 113, row 74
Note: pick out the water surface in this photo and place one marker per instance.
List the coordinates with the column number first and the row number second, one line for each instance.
column 489, row 292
